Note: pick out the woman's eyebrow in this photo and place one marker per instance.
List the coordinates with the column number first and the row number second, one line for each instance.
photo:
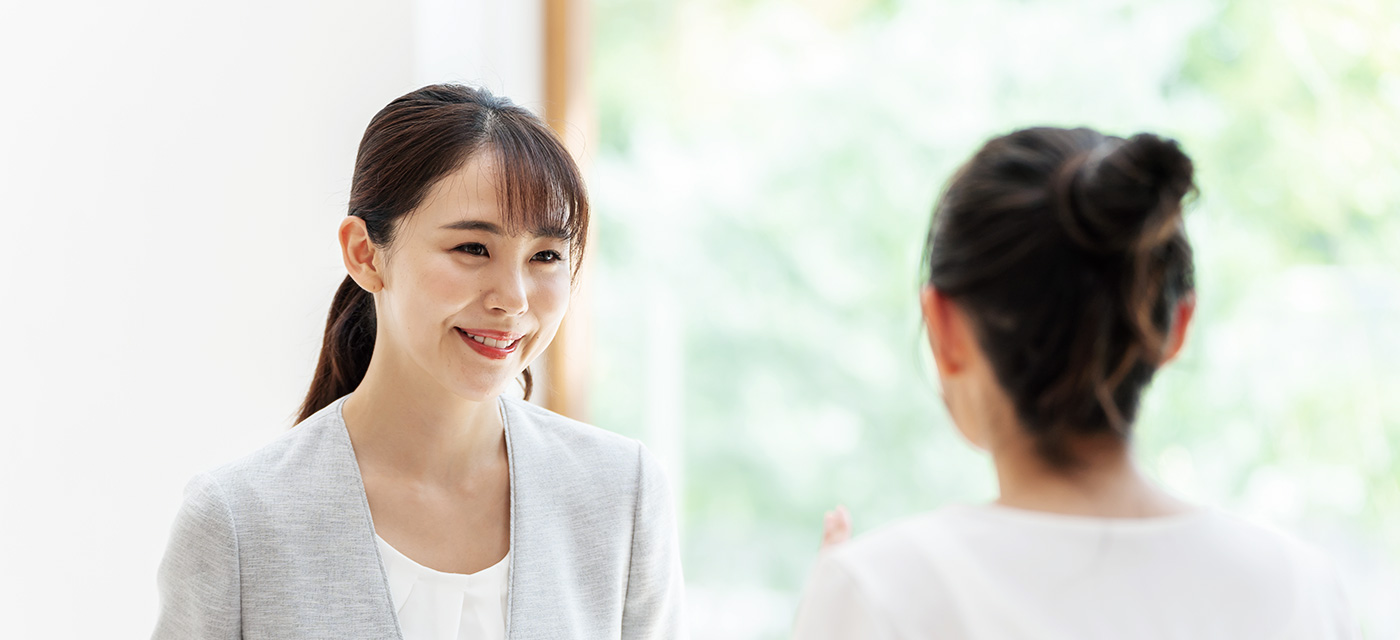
column 474, row 225
column 558, row 233
column 561, row 233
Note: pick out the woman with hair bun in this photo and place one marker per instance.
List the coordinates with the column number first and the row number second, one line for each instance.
column 414, row 500
column 1059, row 280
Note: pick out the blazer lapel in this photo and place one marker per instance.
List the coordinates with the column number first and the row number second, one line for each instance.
column 361, row 537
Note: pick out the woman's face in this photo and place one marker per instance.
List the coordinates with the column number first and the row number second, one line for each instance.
column 465, row 302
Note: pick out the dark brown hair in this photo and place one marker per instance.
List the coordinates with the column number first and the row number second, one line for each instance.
column 1067, row 250
column 408, row 147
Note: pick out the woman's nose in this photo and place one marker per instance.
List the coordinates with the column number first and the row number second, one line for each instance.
column 507, row 291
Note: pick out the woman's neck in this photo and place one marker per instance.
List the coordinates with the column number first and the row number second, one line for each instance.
column 407, row 427
column 1105, row 484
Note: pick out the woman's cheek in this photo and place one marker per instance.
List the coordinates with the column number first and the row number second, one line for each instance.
column 451, row 285
column 556, row 298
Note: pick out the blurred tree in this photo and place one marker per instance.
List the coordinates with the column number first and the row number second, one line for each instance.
column 764, row 181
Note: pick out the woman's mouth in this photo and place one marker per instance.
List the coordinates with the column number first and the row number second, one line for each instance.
column 496, row 345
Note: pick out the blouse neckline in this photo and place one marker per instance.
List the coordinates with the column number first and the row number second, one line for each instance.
column 507, row 563
column 463, row 580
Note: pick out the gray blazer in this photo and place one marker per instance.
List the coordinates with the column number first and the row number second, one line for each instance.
column 280, row 544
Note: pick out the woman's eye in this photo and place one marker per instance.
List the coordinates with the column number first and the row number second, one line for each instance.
column 548, row 256
column 472, row 248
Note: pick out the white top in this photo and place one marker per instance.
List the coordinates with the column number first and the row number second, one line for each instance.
column 982, row 572
column 433, row 605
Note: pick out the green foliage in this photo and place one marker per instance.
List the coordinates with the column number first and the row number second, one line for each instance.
column 763, row 186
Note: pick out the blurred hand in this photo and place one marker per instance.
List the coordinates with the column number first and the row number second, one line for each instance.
column 836, row 527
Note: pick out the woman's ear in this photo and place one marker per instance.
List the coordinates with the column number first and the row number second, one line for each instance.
column 360, row 254
column 947, row 333
column 1181, row 321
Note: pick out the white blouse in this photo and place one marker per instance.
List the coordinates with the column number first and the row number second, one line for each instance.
column 433, row 605
column 1001, row 573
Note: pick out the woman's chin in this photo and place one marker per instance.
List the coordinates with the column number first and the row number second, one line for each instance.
column 485, row 390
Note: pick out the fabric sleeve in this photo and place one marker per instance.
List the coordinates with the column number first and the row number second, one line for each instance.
column 1342, row 619
column 834, row 607
column 1322, row 610
column 198, row 579
column 654, row 606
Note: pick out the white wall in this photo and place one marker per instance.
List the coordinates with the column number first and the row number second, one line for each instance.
column 171, row 177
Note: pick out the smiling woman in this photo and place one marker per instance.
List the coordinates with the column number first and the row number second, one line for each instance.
column 407, row 151
column 468, row 268
column 413, row 499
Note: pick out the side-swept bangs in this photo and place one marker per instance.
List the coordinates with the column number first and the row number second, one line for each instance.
column 541, row 188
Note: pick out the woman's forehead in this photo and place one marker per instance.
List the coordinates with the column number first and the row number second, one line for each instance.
column 489, row 193
column 471, row 192
column 470, row 199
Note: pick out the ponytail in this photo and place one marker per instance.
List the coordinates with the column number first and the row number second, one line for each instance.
column 345, row 350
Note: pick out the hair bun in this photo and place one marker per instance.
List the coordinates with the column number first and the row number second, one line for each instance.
column 1155, row 162
column 1124, row 194
column 1065, row 248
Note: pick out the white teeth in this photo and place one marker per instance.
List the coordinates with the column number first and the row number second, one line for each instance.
column 491, row 342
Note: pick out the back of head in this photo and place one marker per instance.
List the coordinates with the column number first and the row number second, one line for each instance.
column 1067, row 250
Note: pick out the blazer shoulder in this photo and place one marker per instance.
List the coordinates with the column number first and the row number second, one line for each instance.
column 538, row 434
column 310, row 451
